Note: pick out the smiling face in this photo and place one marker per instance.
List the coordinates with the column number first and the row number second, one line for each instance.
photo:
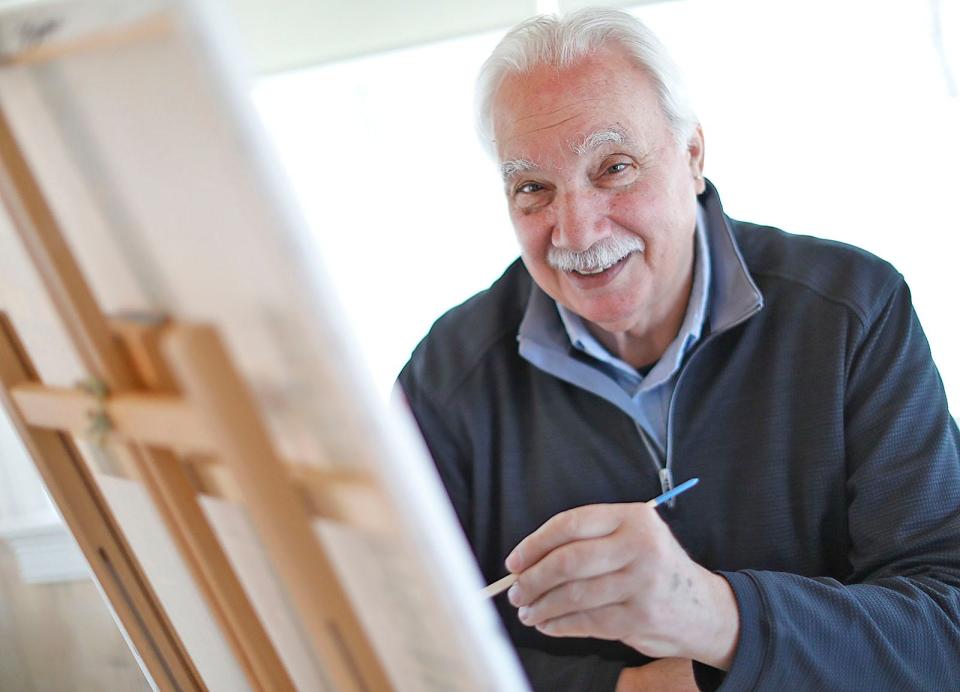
column 602, row 198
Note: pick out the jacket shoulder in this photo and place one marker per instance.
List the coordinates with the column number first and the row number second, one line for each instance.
column 838, row 272
column 464, row 336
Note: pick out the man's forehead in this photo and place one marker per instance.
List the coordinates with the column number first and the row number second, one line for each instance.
column 546, row 109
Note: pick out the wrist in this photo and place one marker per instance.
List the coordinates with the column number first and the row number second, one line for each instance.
column 720, row 629
column 702, row 623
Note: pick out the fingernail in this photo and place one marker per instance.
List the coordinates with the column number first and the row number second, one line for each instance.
column 512, row 562
column 512, row 594
column 523, row 614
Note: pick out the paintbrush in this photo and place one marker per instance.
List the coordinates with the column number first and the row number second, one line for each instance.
column 502, row 585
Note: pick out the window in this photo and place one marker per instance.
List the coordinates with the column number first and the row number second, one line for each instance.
column 836, row 119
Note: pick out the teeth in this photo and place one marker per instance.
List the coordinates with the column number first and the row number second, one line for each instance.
column 590, row 272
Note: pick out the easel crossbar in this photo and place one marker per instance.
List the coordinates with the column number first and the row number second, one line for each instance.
column 150, row 419
column 169, row 421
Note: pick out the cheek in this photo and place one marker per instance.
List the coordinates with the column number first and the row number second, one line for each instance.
column 655, row 213
column 533, row 237
column 642, row 215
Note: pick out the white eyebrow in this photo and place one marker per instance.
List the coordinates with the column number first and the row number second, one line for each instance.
column 594, row 140
column 510, row 168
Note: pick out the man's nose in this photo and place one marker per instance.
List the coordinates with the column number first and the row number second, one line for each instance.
column 579, row 220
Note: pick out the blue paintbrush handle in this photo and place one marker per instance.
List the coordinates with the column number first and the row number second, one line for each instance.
column 673, row 492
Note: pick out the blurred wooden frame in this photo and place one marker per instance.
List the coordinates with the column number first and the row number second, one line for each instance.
column 176, row 416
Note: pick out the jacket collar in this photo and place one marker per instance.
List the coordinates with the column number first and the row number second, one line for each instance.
column 733, row 294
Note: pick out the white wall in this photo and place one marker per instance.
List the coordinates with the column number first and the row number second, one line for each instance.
column 382, row 156
column 21, row 490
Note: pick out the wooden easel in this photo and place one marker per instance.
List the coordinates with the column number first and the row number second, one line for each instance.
column 172, row 412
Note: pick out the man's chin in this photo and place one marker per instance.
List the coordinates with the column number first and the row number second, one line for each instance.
column 609, row 320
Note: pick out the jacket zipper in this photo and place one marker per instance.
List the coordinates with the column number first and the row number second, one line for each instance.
column 665, row 471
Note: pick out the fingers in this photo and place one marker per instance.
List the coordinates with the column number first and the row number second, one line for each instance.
column 606, row 622
column 591, row 521
column 578, row 595
column 579, row 560
column 617, row 572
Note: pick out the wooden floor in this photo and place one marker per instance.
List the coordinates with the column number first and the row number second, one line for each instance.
column 57, row 637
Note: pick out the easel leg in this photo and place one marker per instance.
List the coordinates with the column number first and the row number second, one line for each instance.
column 89, row 518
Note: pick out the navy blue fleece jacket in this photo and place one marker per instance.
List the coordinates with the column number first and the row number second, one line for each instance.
column 830, row 478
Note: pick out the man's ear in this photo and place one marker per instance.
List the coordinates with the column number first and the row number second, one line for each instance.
column 695, row 150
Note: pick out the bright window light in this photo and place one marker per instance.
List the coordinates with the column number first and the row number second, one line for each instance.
column 831, row 118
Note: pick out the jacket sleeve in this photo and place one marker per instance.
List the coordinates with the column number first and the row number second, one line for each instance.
column 894, row 624
column 546, row 672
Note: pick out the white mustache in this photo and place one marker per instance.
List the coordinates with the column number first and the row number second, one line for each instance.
column 603, row 253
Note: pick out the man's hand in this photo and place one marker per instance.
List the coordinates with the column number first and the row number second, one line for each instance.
column 662, row 675
column 616, row 572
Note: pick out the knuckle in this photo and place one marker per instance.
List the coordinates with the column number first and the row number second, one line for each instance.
column 662, row 545
column 624, row 548
column 653, row 551
column 521, row 592
column 576, row 593
column 634, row 528
column 550, row 627
column 569, row 625
column 614, row 587
column 642, row 516
column 605, row 555
column 569, row 521
column 601, row 624
column 564, row 561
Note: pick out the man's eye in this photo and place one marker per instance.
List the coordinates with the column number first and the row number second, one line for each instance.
column 528, row 188
column 617, row 173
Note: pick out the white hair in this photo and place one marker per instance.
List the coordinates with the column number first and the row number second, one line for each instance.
column 562, row 41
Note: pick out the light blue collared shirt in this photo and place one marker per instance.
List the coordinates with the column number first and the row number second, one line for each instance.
column 652, row 391
column 549, row 332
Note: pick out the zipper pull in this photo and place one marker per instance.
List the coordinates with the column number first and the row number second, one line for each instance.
column 666, row 483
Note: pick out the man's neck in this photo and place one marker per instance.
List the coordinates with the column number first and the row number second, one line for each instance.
column 643, row 345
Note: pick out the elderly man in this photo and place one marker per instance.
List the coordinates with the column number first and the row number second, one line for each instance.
column 647, row 337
